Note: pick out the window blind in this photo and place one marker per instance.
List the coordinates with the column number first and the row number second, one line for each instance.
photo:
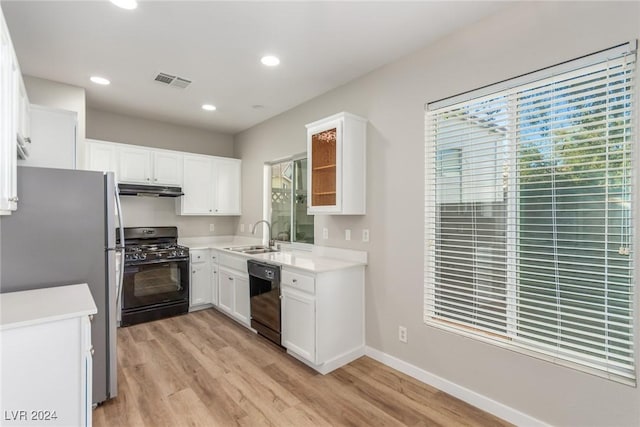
column 528, row 217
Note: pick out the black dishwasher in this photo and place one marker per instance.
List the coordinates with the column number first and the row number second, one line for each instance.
column 264, row 284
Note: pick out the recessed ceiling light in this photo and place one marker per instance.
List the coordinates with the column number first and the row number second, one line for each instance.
column 270, row 60
column 125, row 4
column 100, row 80
column 208, row 107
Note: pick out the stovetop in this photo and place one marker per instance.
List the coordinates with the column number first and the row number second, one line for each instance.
column 154, row 253
column 152, row 244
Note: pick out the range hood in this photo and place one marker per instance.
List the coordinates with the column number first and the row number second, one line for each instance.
column 149, row 190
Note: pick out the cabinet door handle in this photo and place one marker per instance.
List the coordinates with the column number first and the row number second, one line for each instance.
column 155, row 179
column 13, row 199
column 92, row 351
column 295, row 280
column 148, row 179
column 194, row 272
column 230, row 278
column 91, row 318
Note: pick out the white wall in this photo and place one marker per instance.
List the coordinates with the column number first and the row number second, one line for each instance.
column 115, row 127
column 146, row 211
column 523, row 38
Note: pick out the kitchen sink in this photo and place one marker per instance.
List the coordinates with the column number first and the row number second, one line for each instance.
column 252, row 250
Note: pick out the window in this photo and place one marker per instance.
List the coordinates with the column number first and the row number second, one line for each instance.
column 289, row 219
column 528, row 216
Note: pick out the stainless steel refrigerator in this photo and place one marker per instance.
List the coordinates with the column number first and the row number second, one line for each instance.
column 64, row 233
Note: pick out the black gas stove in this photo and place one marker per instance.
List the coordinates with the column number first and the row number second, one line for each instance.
column 156, row 275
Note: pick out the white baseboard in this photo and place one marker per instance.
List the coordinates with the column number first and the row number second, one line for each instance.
column 471, row 397
column 332, row 364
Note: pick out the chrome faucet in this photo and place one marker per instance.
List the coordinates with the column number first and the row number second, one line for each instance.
column 271, row 242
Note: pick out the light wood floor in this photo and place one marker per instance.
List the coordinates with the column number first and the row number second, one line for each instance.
column 202, row 369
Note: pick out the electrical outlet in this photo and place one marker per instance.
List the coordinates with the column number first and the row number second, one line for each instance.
column 325, row 233
column 347, row 234
column 402, row 334
column 242, row 228
column 365, row 235
column 212, row 227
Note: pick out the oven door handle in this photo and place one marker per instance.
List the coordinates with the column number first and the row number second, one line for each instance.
column 158, row 261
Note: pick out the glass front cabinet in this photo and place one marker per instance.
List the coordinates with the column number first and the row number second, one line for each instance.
column 336, row 149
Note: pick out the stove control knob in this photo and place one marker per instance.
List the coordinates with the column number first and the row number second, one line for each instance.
column 143, row 256
column 173, row 253
column 134, row 256
column 181, row 252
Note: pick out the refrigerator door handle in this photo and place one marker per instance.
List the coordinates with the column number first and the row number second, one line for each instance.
column 119, row 248
column 119, row 209
column 120, row 278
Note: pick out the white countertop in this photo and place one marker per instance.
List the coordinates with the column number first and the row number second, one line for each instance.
column 26, row 308
column 318, row 259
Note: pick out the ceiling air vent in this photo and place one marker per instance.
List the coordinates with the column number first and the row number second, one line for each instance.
column 174, row 81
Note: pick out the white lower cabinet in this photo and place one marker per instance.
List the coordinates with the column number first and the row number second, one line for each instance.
column 47, row 360
column 242, row 307
column 201, row 290
column 299, row 323
column 213, row 256
column 323, row 316
column 234, row 295
column 226, row 290
column 233, row 288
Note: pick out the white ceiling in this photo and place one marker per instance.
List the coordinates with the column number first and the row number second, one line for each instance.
column 218, row 45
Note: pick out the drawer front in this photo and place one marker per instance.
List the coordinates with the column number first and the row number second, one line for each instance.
column 233, row 262
column 299, row 281
column 198, row 255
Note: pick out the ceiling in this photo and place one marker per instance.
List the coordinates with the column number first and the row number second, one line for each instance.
column 218, row 45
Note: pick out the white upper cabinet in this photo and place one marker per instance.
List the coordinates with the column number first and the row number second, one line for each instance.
column 197, row 186
column 227, row 186
column 10, row 84
column 136, row 165
column 211, row 186
column 336, row 149
column 101, row 156
column 167, row 168
column 150, row 166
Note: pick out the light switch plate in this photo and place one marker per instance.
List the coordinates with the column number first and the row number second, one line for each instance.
column 365, row 235
column 212, row 227
column 347, row 234
column 325, row 233
column 242, row 228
